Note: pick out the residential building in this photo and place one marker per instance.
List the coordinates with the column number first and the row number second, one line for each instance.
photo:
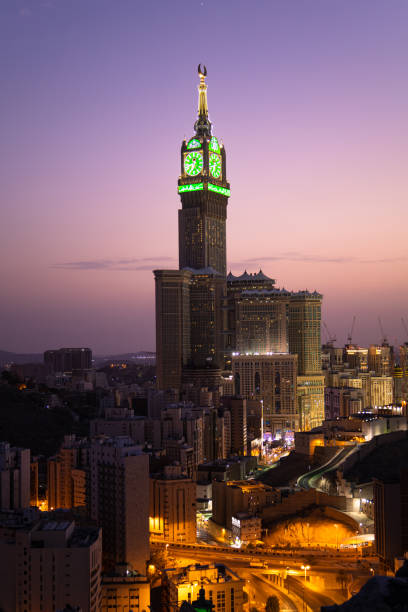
column 246, row 527
column 125, row 590
column 68, row 475
column 381, row 390
column 48, row 564
column 237, row 407
column 230, row 498
column 272, row 379
column 68, row 359
column 223, row 587
column 172, row 506
column 15, row 486
column 120, row 501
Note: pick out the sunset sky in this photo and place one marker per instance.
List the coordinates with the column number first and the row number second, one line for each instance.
column 310, row 98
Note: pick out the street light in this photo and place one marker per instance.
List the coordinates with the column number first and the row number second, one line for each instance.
column 337, row 535
column 306, row 568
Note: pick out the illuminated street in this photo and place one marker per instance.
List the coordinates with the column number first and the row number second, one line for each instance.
column 285, row 569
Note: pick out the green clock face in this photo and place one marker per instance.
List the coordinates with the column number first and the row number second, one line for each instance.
column 214, row 146
column 194, row 144
column 193, row 163
column 215, row 165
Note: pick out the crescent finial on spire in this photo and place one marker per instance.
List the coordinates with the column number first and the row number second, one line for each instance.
column 202, row 124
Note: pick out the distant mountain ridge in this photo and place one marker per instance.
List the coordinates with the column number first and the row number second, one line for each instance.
column 9, row 357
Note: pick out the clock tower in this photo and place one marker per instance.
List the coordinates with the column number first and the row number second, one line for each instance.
column 204, row 193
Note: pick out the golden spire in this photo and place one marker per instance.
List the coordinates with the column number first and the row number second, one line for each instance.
column 202, row 92
column 203, row 125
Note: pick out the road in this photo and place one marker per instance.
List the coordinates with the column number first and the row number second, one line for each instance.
column 260, row 590
column 241, row 566
column 314, row 599
column 310, row 479
column 329, row 557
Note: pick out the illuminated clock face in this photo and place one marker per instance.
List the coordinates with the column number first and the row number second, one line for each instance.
column 193, row 163
column 214, row 145
column 215, row 165
column 194, row 144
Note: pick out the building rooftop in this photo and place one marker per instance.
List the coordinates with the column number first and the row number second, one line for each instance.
column 210, row 573
column 203, row 271
column 255, row 276
column 248, row 485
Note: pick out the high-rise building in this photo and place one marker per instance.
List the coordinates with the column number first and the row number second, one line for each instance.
column 172, row 326
column 356, row 357
column 203, row 316
column 391, row 517
column 381, row 390
column 305, row 342
column 120, row 501
column 14, row 477
column 237, row 407
column 68, row 359
column 304, row 331
column 403, row 354
column 207, row 292
column 172, row 506
column 48, row 564
column 257, row 315
column 190, row 321
column 380, row 359
column 68, row 475
column 271, row 378
column 310, row 401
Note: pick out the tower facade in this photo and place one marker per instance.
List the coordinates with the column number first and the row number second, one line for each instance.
column 304, row 331
column 190, row 316
column 172, row 326
column 204, row 193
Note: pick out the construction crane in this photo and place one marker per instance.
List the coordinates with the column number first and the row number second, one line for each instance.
column 331, row 339
column 350, row 336
column 404, row 325
column 384, row 339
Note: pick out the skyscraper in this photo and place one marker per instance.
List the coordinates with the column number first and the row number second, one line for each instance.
column 304, row 331
column 305, row 342
column 204, row 316
column 190, row 322
column 172, row 326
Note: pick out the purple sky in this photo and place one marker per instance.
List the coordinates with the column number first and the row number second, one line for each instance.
column 310, row 98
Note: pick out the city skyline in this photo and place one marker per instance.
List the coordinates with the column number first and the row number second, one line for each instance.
column 302, row 128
